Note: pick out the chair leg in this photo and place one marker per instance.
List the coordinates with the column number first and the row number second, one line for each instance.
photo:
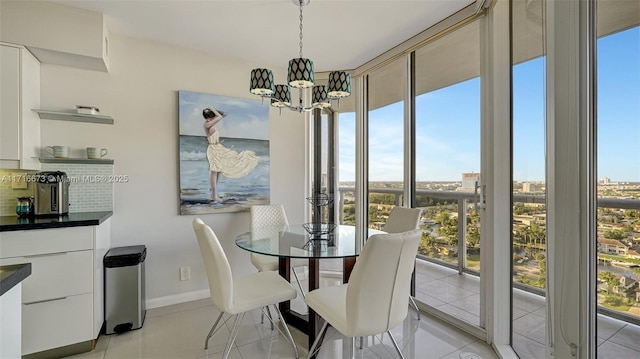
column 299, row 285
column 413, row 302
column 206, row 341
column 286, row 329
column 270, row 316
column 353, row 347
column 395, row 344
column 232, row 335
column 323, row 330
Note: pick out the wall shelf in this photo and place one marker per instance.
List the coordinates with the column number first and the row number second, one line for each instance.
column 75, row 117
column 102, row 161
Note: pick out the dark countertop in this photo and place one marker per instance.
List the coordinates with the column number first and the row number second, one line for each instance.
column 11, row 275
column 14, row 223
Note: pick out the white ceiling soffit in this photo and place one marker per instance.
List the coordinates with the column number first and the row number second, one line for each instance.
column 338, row 34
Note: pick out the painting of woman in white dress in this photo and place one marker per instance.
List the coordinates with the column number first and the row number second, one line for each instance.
column 224, row 153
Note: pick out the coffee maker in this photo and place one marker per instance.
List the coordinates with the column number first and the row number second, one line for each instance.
column 52, row 194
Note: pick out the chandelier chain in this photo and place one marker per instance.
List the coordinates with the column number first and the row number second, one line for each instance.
column 300, row 28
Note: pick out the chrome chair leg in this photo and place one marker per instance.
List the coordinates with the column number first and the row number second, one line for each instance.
column 323, row 330
column 206, row 341
column 286, row 329
column 269, row 315
column 304, row 296
column 361, row 343
column 232, row 335
column 413, row 302
column 353, row 347
column 395, row 344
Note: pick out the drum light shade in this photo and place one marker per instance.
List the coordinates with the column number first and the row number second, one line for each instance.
column 339, row 84
column 261, row 82
column 282, row 96
column 301, row 73
column 320, row 96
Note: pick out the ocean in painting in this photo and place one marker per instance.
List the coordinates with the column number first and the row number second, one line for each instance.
column 238, row 193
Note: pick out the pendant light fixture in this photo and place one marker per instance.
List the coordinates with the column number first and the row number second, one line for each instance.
column 300, row 76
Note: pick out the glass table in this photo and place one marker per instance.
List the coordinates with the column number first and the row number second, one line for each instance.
column 293, row 241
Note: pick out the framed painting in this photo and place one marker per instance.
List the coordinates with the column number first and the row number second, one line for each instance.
column 224, row 153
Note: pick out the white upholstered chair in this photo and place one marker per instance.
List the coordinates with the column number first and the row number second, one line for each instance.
column 375, row 299
column 269, row 217
column 403, row 219
column 236, row 296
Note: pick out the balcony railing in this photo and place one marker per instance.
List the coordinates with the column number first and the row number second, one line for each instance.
column 465, row 199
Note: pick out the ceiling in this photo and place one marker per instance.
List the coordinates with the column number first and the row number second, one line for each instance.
column 338, row 34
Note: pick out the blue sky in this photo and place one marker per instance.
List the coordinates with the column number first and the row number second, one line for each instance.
column 448, row 127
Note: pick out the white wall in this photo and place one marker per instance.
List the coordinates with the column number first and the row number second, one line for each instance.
column 140, row 93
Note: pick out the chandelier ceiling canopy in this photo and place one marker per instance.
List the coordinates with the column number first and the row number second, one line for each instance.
column 301, row 76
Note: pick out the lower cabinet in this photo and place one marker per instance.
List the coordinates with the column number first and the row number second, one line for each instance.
column 56, row 323
column 62, row 300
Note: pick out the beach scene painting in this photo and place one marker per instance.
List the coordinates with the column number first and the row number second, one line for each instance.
column 224, row 153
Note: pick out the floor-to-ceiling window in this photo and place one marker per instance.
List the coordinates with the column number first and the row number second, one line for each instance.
column 447, row 171
column 528, row 240
column 386, row 140
column 618, row 158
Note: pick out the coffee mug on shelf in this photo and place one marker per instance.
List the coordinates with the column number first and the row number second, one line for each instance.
column 58, row 151
column 95, row 153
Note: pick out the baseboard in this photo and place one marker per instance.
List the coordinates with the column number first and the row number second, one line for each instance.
column 177, row 298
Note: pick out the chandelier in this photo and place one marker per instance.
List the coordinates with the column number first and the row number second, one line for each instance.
column 300, row 76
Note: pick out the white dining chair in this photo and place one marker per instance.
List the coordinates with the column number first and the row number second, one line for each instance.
column 236, row 296
column 375, row 299
column 403, row 219
column 272, row 216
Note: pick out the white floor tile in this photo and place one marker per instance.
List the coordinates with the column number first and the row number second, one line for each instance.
column 527, row 348
column 612, row 350
column 478, row 347
column 628, row 336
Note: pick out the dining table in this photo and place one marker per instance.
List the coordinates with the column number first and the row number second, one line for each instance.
column 306, row 241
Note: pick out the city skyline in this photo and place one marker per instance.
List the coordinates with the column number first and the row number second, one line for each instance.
column 448, row 124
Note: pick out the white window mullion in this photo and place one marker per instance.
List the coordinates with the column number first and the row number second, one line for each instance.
column 571, row 178
column 495, row 272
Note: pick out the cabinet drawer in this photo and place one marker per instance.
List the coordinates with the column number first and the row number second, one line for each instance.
column 56, row 323
column 56, row 275
column 43, row 241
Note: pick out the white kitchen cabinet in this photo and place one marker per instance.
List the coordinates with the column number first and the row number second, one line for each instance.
column 19, row 93
column 62, row 299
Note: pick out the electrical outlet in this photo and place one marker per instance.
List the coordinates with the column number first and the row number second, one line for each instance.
column 185, row 273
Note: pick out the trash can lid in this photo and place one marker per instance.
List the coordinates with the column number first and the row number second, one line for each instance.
column 125, row 256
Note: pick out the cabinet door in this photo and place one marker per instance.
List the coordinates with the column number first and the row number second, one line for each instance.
column 9, row 103
column 30, row 122
column 56, row 275
column 56, row 323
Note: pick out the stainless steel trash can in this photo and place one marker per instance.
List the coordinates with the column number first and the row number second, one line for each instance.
column 124, row 298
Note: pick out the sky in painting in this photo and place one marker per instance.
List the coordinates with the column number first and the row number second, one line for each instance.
column 244, row 118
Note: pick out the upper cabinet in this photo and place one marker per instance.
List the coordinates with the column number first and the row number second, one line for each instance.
column 19, row 93
column 56, row 33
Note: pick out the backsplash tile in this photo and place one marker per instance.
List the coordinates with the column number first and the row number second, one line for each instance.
column 8, row 195
column 90, row 189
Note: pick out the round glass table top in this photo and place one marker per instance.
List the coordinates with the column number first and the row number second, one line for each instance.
column 294, row 241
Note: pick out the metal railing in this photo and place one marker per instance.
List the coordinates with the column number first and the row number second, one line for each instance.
column 462, row 199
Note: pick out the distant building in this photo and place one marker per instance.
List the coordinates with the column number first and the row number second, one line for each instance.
column 528, row 187
column 469, row 181
column 611, row 246
column 605, row 180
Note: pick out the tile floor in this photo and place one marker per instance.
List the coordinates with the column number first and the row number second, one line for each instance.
column 178, row 331
column 459, row 296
